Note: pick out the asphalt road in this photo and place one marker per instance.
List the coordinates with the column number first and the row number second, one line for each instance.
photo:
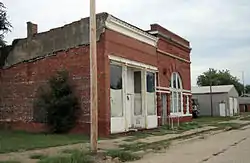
column 226, row 147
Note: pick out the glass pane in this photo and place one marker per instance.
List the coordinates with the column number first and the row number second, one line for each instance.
column 179, row 83
column 171, row 103
column 179, row 102
column 174, row 80
column 150, row 82
column 137, row 82
column 175, row 102
column 115, row 77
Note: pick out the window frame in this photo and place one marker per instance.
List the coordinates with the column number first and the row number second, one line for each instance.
column 176, row 87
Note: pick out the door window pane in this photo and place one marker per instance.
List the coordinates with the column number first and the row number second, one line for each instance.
column 137, row 82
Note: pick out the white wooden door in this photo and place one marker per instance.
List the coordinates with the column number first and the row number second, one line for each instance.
column 235, row 106
column 222, row 107
column 231, row 106
column 117, row 124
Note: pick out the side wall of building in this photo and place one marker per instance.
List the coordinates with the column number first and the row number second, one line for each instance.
column 204, row 101
column 22, row 81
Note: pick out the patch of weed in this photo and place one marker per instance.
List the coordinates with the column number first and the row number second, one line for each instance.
column 123, row 155
column 10, row 162
column 38, row 156
column 76, row 157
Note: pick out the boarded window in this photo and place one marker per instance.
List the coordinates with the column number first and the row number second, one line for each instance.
column 115, row 77
column 150, row 82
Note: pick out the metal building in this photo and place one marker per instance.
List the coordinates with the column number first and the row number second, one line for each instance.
column 224, row 99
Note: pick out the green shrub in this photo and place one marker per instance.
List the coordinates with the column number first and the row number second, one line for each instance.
column 56, row 105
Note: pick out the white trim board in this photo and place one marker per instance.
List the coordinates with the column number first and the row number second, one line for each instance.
column 132, row 63
column 126, row 29
column 170, row 89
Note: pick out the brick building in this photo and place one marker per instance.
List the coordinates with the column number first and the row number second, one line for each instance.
column 143, row 76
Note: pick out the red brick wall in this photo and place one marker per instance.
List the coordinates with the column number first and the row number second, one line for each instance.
column 167, row 65
column 157, row 27
column 20, row 83
column 174, row 49
column 126, row 47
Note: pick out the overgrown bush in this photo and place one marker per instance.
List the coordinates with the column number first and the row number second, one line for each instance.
column 57, row 104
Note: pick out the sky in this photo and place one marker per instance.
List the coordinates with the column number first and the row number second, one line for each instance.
column 218, row 30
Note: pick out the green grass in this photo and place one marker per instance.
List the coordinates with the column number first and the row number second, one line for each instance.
column 75, row 157
column 245, row 118
column 122, row 155
column 189, row 126
column 231, row 126
column 211, row 120
column 21, row 141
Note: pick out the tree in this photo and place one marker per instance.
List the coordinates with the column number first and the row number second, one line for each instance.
column 5, row 25
column 221, row 77
column 247, row 89
column 57, row 105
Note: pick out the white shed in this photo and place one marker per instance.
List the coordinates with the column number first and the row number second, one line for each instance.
column 224, row 100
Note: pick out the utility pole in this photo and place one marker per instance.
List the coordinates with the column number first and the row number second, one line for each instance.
column 211, row 98
column 93, row 79
column 243, row 80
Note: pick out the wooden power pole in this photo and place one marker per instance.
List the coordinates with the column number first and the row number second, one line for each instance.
column 93, row 79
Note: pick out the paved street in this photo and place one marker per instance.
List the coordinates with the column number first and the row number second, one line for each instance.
column 226, row 147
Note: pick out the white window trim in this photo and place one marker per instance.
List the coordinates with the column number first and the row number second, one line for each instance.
column 187, row 107
column 133, row 63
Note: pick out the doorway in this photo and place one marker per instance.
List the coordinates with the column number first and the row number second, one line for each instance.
column 134, row 112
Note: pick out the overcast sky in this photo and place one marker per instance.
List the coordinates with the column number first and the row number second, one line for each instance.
column 219, row 30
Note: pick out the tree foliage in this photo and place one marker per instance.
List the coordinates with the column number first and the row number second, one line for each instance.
column 219, row 77
column 5, row 25
column 58, row 104
column 247, row 89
